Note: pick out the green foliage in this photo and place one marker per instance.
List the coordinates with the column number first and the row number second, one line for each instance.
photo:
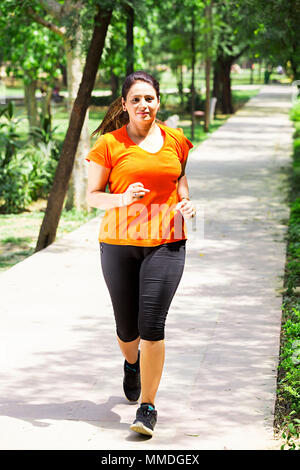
column 295, row 112
column 199, row 102
column 278, row 33
column 9, row 139
column 291, row 434
column 26, row 177
column 31, row 51
column 290, row 360
column 289, row 368
column 100, row 100
column 26, row 170
column 45, row 133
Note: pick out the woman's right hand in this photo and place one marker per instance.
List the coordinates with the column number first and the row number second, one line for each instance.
column 133, row 193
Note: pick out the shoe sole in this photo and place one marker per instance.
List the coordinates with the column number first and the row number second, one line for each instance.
column 141, row 428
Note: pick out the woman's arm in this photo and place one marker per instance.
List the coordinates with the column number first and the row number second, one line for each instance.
column 186, row 206
column 96, row 196
column 183, row 188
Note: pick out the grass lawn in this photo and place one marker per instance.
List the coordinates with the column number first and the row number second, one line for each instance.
column 19, row 232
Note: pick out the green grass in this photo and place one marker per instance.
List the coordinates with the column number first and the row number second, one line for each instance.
column 199, row 134
column 15, row 248
column 168, row 80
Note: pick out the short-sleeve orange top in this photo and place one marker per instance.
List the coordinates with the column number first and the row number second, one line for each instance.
column 152, row 220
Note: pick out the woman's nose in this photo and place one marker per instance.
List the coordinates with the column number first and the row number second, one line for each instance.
column 144, row 103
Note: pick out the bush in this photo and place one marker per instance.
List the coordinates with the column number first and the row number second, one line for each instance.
column 295, row 112
column 27, row 176
column 199, row 103
column 288, row 395
column 290, row 360
column 101, row 100
column 27, row 171
column 9, row 138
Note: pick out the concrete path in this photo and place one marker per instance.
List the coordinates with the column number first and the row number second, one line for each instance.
column 61, row 368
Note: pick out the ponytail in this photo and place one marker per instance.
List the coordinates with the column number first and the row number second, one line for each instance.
column 115, row 118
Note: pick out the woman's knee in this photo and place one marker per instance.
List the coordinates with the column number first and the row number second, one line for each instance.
column 152, row 334
column 126, row 335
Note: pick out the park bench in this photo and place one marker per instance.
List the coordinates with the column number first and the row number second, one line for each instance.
column 212, row 106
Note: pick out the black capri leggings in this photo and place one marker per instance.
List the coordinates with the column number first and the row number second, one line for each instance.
column 142, row 282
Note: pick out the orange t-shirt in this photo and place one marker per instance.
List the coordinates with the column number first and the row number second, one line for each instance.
column 152, row 220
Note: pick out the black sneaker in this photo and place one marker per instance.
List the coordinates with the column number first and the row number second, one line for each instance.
column 132, row 380
column 146, row 418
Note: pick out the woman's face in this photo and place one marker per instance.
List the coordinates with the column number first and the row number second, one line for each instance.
column 141, row 103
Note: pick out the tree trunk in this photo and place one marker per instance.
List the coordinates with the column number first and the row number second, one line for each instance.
column 129, row 40
column 31, row 103
column 207, row 94
column 63, row 70
column 76, row 196
column 193, row 77
column 227, row 107
column 208, row 45
column 217, row 84
column 46, row 103
column 251, row 72
column 114, row 82
column 65, row 165
column 259, row 71
column 179, row 80
column 295, row 65
column 222, row 83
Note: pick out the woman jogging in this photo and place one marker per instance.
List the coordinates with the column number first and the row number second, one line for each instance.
column 143, row 234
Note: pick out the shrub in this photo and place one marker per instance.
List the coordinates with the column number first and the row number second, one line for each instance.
column 26, row 172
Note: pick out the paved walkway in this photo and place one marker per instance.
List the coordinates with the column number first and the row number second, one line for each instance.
column 61, row 368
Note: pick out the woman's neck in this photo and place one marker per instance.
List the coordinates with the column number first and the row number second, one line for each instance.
column 143, row 131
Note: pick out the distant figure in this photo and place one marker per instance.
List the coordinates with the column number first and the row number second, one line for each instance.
column 279, row 69
column 235, row 68
column 57, row 98
column 267, row 76
column 43, row 90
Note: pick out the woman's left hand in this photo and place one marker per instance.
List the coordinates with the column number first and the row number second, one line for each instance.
column 187, row 208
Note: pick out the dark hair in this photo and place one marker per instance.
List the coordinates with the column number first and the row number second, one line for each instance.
column 116, row 117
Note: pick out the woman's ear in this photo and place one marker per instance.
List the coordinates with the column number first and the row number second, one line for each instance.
column 123, row 104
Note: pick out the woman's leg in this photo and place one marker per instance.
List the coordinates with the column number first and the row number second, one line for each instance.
column 151, row 365
column 160, row 274
column 121, row 268
column 129, row 349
